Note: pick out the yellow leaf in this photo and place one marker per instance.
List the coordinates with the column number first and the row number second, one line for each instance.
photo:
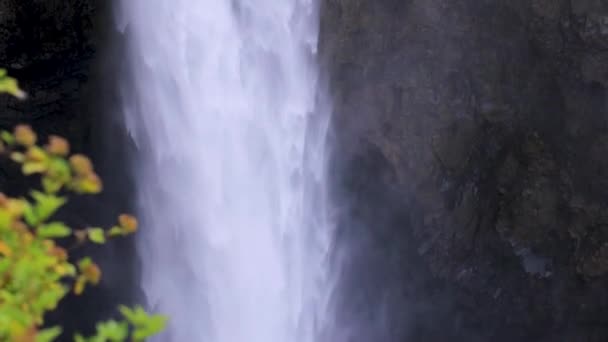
column 30, row 168
column 97, row 235
column 16, row 207
column 18, row 157
column 79, row 285
column 11, row 86
column 27, row 238
column 91, row 184
column 5, row 249
column 87, row 184
column 36, row 154
column 61, row 269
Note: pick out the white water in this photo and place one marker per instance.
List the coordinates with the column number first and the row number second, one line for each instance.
column 221, row 103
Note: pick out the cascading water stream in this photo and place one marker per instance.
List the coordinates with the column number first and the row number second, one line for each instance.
column 222, row 103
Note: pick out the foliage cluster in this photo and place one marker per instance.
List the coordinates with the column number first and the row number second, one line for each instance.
column 36, row 271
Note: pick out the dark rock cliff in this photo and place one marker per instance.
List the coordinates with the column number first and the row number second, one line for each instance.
column 49, row 46
column 472, row 150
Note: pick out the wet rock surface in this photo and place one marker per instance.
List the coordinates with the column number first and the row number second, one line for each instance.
column 471, row 159
column 492, row 117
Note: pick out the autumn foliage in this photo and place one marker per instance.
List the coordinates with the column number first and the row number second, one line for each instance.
column 36, row 270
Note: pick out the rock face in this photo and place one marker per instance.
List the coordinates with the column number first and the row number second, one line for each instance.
column 471, row 156
column 472, row 142
column 48, row 46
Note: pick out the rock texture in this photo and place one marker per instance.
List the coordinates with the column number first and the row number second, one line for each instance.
column 471, row 144
column 471, row 153
column 48, row 46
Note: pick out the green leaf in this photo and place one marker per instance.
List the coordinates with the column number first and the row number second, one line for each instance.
column 145, row 325
column 54, row 230
column 128, row 313
column 70, row 270
column 30, row 168
column 49, row 299
column 79, row 338
column 18, row 157
column 46, row 205
column 96, row 235
column 48, row 335
column 30, row 215
column 5, row 219
column 11, row 86
column 7, row 137
column 116, row 231
column 135, row 316
column 59, row 169
column 50, row 185
column 84, row 262
column 152, row 326
column 113, row 331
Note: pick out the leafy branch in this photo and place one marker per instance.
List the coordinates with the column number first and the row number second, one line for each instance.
column 36, row 272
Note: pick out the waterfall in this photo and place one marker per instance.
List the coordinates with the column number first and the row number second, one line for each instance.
column 222, row 102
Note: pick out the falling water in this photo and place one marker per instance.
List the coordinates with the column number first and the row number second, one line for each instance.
column 222, row 103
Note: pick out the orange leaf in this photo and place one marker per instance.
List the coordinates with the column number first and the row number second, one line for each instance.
column 58, row 146
column 81, row 164
column 59, row 253
column 5, row 249
column 3, row 200
column 28, row 336
column 24, row 135
column 128, row 223
column 92, row 273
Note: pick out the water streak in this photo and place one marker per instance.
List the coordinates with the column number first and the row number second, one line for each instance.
column 222, row 103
